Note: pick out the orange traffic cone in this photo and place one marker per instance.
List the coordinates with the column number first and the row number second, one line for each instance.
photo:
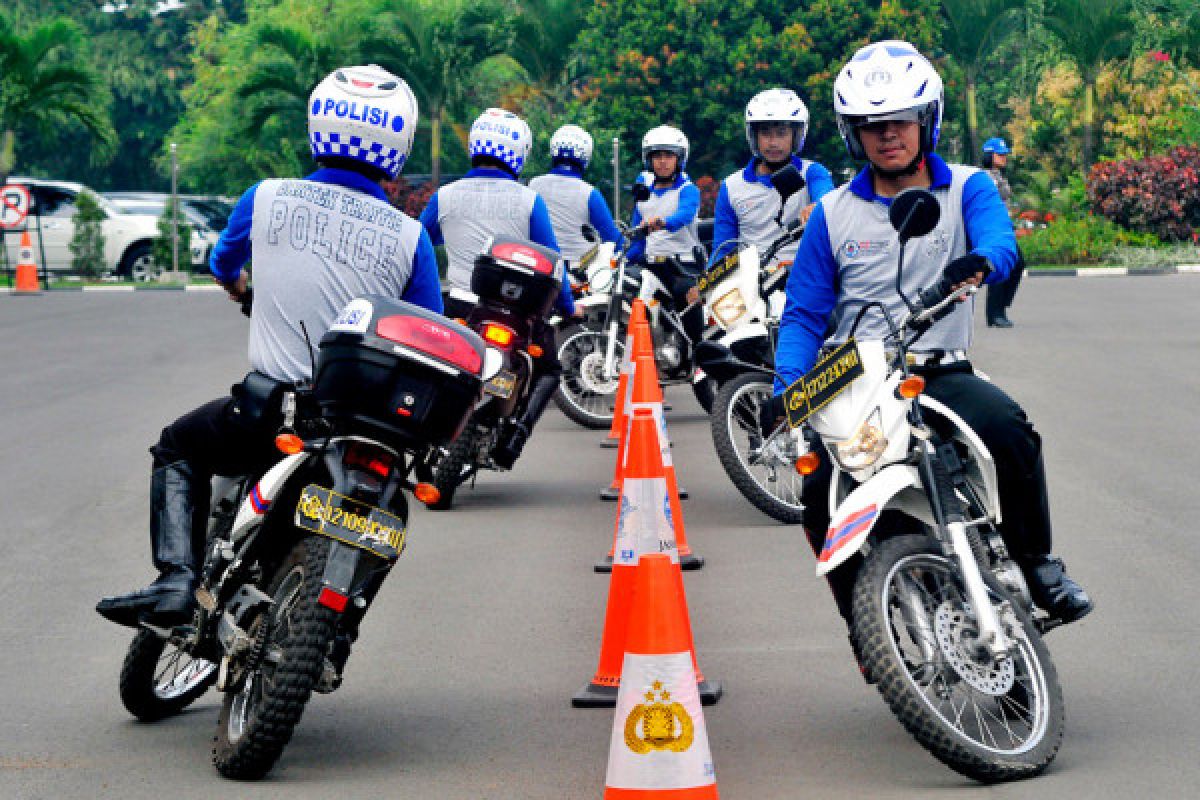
column 659, row 746
column 617, row 429
column 27, row 278
column 643, row 526
column 637, row 343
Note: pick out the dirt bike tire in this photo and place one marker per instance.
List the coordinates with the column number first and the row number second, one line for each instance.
column 280, row 703
column 731, row 460
column 140, row 693
column 447, row 475
column 881, row 661
column 596, row 421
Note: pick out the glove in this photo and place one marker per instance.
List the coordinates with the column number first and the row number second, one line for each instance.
column 770, row 414
column 964, row 267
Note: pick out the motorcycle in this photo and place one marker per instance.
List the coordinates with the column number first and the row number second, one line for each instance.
column 941, row 619
column 744, row 295
column 293, row 557
column 591, row 354
column 514, row 286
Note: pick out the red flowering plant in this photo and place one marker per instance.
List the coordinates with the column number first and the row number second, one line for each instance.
column 709, row 188
column 409, row 198
column 1158, row 194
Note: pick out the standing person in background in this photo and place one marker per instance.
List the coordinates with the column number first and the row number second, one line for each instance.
column 570, row 199
column 1000, row 295
column 748, row 207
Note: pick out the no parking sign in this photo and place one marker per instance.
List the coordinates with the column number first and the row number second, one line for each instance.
column 14, row 206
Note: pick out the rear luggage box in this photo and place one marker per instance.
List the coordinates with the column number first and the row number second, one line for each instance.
column 397, row 372
column 519, row 275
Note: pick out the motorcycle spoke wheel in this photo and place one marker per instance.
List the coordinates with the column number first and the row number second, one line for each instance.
column 158, row 679
column 916, row 629
column 587, row 393
column 757, row 467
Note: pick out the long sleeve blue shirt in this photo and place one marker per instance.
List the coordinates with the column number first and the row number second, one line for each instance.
column 684, row 214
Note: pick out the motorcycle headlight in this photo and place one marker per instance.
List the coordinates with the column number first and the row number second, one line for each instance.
column 863, row 448
column 730, row 307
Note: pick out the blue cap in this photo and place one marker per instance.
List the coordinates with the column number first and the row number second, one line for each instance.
column 996, row 145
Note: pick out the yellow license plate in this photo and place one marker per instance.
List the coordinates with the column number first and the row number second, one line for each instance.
column 325, row 512
column 830, row 377
column 501, row 385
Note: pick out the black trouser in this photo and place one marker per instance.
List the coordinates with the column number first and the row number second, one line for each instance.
column 678, row 283
column 1000, row 295
column 217, row 439
column 1009, row 436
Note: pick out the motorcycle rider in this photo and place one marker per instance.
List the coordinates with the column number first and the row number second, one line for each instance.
column 570, row 199
column 748, row 207
column 317, row 243
column 889, row 104
column 668, row 215
column 487, row 202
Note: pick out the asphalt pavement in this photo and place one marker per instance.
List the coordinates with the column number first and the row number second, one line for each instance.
column 460, row 684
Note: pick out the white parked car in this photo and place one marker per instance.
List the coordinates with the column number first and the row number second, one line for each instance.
column 206, row 215
column 128, row 235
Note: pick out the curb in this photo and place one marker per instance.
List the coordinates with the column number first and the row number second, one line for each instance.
column 1115, row 272
column 112, row 289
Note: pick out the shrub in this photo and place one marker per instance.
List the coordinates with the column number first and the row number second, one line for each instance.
column 709, row 188
column 87, row 242
column 1159, row 194
column 1079, row 240
column 162, row 243
column 409, row 198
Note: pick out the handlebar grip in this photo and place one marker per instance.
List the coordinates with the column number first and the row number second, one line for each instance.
column 247, row 301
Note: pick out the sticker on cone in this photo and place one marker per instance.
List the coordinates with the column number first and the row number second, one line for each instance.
column 644, row 525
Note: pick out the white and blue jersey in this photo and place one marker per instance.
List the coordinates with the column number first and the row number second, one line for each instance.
column 848, row 255
column 677, row 205
column 572, row 201
column 316, row 244
column 747, row 207
column 484, row 203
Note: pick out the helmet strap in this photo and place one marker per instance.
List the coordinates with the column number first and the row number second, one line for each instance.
column 904, row 172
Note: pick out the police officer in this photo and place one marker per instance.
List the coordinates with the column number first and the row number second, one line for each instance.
column 317, row 243
column 889, row 104
column 748, row 207
column 1000, row 295
column 488, row 202
column 570, row 199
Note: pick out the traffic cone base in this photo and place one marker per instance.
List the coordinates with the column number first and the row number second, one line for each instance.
column 604, row 565
column 610, row 444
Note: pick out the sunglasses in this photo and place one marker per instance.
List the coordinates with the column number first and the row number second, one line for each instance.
column 878, row 126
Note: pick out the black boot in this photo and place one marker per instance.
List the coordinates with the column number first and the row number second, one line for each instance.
column 510, row 450
column 169, row 600
column 1053, row 590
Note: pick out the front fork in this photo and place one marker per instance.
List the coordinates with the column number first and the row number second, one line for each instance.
column 952, row 530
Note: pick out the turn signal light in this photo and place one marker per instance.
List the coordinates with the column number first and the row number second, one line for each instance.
column 289, row 444
column 535, row 350
column 911, row 386
column 498, row 335
column 807, row 464
column 427, row 493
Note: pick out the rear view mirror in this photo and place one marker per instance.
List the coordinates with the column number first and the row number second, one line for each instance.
column 788, row 181
column 641, row 192
column 914, row 212
column 699, row 255
column 589, row 232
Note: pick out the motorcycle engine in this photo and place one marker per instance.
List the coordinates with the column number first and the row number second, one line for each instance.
column 669, row 354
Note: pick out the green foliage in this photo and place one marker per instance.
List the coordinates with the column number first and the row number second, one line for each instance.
column 1081, row 239
column 87, row 241
column 162, row 251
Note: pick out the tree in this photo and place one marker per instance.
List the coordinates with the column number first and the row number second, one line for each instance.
column 972, row 30
column 165, row 256
column 47, row 81
column 1091, row 32
column 87, row 240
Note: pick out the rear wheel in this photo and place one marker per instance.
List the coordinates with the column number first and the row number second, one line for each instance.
column 761, row 469
column 587, row 393
column 159, row 680
column 916, row 632
column 454, row 467
column 138, row 263
column 292, row 638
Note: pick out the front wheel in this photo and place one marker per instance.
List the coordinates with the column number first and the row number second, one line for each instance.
column 454, row 467
column 159, row 680
column 761, row 469
column 587, row 393
column 915, row 630
column 292, row 638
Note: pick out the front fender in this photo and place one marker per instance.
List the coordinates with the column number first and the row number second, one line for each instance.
column 857, row 514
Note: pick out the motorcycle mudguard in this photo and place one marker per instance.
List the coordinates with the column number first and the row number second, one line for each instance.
column 258, row 501
column 858, row 513
column 751, row 330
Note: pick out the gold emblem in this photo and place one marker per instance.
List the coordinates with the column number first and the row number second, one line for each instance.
column 664, row 727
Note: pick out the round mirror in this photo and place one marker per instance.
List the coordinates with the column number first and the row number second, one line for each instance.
column 914, row 212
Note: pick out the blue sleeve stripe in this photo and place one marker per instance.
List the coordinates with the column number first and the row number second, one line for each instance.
column 232, row 250
column 811, row 297
column 601, row 218
column 689, row 206
column 429, row 218
column 725, row 223
column 540, row 228
column 989, row 230
column 424, row 288
column 820, row 182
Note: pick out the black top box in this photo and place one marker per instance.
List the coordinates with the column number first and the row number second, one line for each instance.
column 518, row 274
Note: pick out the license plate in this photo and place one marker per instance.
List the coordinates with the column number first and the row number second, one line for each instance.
column 831, row 376
column 718, row 273
column 352, row 522
column 502, row 384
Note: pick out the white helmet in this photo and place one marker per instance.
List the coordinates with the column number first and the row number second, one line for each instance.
column 888, row 80
column 502, row 135
column 363, row 113
column 664, row 137
column 572, row 142
column 777, row 105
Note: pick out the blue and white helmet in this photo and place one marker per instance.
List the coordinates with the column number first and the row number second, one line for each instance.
column 502, row 135
column 777, row 105
column 888, row 81
column 671, row 140
column 363, row 113
column 572, row 142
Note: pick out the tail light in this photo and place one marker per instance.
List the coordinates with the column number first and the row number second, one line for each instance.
column 440, row 341
column 524, row 255
column 500, row 335
column 363, row 456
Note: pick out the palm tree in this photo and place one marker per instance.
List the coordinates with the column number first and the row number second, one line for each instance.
column 1091, row 32
column 972, row 29
column 546, row 31
column 45, row 82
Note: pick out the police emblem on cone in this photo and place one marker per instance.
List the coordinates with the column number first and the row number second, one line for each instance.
column 659, row 745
